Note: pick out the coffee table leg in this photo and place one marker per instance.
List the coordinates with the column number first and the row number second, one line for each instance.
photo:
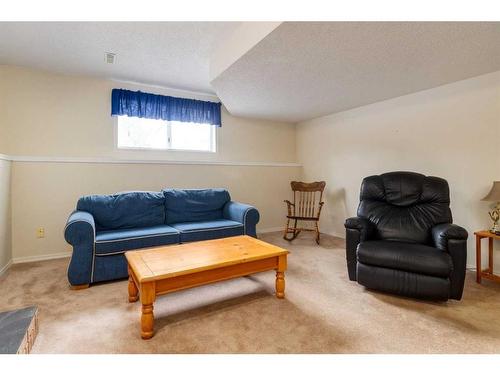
column 280, row 284
column 133, row 292
column 147, row 317
column 478, row 259
column 280, row 277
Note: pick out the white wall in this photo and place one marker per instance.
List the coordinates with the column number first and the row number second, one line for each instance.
column 5, row 198
column 5, row 220
column 59, row 115
column 49, row 116
column 452, row 131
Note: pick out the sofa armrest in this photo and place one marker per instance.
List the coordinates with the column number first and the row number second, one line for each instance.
column 80, row 233
column 357, row 229
column 80, row 227
column 242, row 213
column 453, row 239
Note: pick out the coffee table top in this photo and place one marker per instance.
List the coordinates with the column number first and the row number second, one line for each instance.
column 175, row 260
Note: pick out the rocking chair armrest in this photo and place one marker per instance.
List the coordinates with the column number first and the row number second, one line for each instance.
column 320, row 207
column 289, row 207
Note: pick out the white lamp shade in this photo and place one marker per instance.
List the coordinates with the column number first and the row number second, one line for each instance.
column 494, row 194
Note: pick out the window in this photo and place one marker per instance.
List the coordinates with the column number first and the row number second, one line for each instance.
column 142, row 133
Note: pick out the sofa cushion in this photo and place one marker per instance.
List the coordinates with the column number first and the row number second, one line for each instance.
column 406, row 257
column 120, row 240
column 208, row 230
column 194, row 204
column 125, row 210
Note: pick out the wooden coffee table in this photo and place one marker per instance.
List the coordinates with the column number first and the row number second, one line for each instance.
column 165, row 269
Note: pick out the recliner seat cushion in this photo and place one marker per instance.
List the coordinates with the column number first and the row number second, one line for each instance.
column 125, row 210
column 404, row 206
column 121, row 240
column 406, row 257
column 207, row 230
column 191, row 205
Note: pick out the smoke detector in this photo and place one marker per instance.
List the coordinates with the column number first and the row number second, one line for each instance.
column 110, row 57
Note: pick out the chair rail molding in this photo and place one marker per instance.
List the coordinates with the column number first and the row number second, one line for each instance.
column 107, row 160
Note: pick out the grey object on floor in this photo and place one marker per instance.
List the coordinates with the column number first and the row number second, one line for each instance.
column 17, row 330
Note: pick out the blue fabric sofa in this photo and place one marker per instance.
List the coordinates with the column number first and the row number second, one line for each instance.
column 103, row 227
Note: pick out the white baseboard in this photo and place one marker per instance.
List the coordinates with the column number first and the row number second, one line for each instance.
column 269, row 230
column 37, row 258
column 5, row 268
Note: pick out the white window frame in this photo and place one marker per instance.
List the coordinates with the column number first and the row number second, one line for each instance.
column 214, row 135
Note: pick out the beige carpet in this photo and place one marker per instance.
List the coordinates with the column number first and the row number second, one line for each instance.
column 323, row 313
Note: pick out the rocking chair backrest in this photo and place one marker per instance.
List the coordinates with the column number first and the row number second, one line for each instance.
column 307, row 197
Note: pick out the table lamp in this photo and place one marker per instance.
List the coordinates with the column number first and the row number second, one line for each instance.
column 494, row 196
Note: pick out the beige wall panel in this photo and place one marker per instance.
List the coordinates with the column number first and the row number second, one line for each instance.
column 62, row 116
column 452, row 131
column 48, row 114
column 5, row 223
column 44, row 194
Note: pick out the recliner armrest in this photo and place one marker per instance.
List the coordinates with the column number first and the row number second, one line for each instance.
column 361, row 224
column 442, row 233
column 357, row 229
column 453, row 239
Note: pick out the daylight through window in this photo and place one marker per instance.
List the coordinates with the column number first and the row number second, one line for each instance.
column 141, row 133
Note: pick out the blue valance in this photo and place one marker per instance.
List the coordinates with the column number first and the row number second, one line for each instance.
column 161, row 107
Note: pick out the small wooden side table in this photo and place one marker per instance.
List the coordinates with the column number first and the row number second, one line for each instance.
column 488, row 272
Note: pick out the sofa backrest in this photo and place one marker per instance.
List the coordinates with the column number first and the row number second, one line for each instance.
column 188, row 205
column 404, row 206
column 125, row 210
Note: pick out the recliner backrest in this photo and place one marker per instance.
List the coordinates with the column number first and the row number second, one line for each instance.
column 404, row 206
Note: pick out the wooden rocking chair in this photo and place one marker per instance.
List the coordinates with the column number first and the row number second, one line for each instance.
column 306, row 206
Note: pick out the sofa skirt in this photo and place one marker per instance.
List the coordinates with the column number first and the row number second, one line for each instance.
column 109, row 267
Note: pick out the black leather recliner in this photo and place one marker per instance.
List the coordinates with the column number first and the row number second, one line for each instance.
column 403, row 240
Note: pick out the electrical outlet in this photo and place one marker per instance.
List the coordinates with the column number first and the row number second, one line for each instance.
column 40, row 232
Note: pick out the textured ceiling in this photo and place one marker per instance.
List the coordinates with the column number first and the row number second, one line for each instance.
column 173, row 54
column 303, row 70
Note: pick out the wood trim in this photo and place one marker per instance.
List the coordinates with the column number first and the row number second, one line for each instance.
column 308, row 186
column 87, row 160
column 165, row 286
column 147, row 289
column 79, row 287
column 171, row 261
column 487, row 234
column 303, row 218
column 490, row 276
column 487, row 273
